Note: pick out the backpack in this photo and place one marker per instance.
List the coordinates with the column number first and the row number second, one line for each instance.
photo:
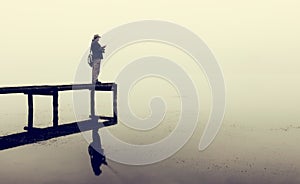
column 90, row 58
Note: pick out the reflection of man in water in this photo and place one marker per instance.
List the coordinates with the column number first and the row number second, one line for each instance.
column 96, row 153
column 97, row 51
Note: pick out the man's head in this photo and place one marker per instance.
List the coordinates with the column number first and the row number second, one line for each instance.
column 96, row 37
column 97, row 171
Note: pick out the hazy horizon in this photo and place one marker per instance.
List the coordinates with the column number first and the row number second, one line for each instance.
column 255, row 43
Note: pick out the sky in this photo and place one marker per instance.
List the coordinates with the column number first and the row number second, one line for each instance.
column 255, row 42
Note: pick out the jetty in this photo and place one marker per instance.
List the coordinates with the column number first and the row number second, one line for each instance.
column 54, row 90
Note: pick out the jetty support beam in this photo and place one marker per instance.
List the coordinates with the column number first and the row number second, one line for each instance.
column 30, row 111
column 55, row 108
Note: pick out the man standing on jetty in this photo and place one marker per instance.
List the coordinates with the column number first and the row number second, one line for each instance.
column 97, row 51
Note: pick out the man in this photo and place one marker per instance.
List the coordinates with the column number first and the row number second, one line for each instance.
column 97, row 51
column 97, row 159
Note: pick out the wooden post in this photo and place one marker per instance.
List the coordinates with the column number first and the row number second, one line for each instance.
column 115, row 100
column 30, row 111
column 55, row 108
column 92, row 103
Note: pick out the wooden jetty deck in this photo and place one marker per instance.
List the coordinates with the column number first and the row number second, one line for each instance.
column 53, row 90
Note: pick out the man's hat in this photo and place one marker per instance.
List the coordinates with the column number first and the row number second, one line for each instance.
column 96, row 36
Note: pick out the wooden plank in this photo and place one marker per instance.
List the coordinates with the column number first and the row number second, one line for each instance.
column 43, row 89
column 92, row 103
column 30, row 111
column 41, row 92
column 55, row 108
column 115, row 100
column 100, row 87
column 23, row 89
column 102, row 117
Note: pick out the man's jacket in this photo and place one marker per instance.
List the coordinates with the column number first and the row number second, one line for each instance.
column 96, row 50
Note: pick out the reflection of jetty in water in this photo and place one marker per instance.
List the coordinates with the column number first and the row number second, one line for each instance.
column 40, row 134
